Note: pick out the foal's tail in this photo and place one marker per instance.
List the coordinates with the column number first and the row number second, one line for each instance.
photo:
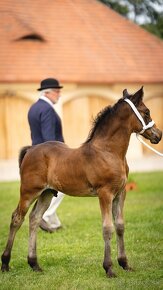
column 22, row 153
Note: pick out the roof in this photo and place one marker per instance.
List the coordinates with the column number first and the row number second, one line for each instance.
column 75, row 41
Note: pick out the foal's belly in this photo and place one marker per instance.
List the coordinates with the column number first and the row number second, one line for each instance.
column 72, row 185
column 82, row 193
column 75, row 189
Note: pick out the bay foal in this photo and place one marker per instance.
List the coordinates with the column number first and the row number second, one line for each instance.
column 97, row 168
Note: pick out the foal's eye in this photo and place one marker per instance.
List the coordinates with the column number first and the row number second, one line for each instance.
column 147, row 112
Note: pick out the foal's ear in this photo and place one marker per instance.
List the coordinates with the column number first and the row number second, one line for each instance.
column 125, row 94
column 138, row 96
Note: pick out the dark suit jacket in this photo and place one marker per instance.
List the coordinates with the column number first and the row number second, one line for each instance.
column 44, row 122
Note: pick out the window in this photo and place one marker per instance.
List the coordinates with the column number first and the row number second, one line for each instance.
column 31, row 37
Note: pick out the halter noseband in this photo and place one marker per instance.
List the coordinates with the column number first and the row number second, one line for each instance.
column 145, row 127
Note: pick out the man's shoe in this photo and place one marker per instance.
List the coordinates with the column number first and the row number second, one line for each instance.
column 45, row 227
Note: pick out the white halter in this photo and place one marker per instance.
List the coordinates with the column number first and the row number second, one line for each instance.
column 145, row 127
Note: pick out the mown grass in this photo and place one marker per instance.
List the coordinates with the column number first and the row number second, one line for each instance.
column 72, row 257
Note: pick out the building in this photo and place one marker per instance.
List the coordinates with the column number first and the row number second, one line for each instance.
column 92, row 50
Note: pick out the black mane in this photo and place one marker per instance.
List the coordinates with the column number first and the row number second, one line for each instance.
column 101, row 118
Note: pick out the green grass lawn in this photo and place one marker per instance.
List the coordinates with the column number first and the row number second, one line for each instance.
column 72, row 257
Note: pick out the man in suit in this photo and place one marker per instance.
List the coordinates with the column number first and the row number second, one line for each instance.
column 45, row 125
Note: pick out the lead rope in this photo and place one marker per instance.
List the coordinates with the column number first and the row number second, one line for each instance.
column 148, row 146
column 145, row 127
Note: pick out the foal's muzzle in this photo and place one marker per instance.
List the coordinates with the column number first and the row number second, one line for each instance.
column 153, row 134
column 156, row 136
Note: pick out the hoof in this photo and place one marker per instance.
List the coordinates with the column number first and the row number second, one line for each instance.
column 37, row 268
column 124, row 264
column 111, row 274
column 5, row 263
column 5, row 268
column 33, row 264
column 129, row 269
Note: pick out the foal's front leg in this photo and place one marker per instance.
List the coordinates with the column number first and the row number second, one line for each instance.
column 106, row 211
column 118, row 204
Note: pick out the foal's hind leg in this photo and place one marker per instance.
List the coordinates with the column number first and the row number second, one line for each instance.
column 16, row 222
column 36, row 214
column 118, row 204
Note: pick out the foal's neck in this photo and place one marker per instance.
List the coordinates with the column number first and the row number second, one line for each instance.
column 116, row 139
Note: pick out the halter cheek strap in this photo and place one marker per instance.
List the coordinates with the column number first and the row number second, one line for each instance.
column 145, row 127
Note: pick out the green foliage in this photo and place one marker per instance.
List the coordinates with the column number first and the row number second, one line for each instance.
column 72, row 257
column 157, row 27
column 146, row 8
column 115, row 5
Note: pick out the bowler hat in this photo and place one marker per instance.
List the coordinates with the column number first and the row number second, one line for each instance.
column 49, row 84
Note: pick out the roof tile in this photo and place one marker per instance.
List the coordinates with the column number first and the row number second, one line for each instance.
column 83, row 41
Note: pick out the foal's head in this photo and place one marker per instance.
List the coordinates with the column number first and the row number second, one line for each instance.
column 143, row 123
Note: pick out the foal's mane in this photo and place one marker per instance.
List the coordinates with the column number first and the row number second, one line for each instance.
column 102, row 117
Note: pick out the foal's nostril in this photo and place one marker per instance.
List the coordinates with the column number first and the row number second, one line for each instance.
column 157, row 138
column 159, row 135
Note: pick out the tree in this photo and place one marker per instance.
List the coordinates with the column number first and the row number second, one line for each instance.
column 146, row 13
column 156, row 27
